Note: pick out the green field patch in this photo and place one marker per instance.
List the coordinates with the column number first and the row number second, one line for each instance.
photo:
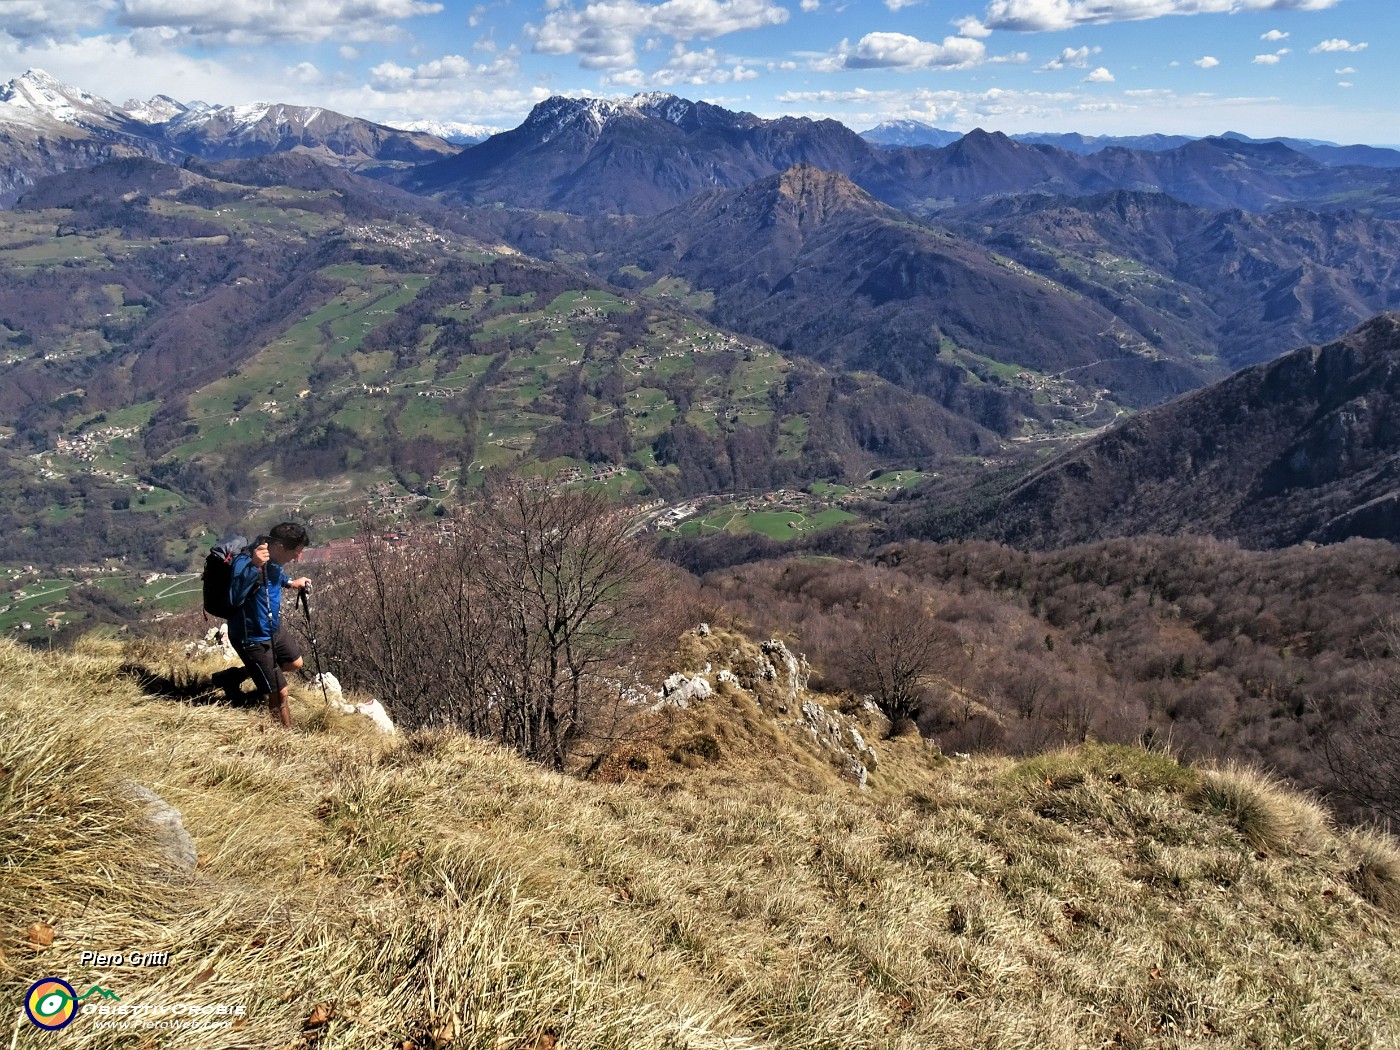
column 792, row 436
column 619, row 485
column 219, row 435
column 467, row 369
column 590, row 299
column 427, row 417
column 827, row 489
column 365, row 416
column 777, row 524
column 898, row 479
column 706, row 421
column 374, row 368
column 754, row 417
column 157, row 501
column 30, row 600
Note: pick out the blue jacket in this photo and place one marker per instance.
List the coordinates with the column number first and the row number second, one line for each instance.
column 255, row 595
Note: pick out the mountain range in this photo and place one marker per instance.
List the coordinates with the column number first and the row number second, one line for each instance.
column 916, row 133
column 47, row 127
column 655, row 151
column 925, row 306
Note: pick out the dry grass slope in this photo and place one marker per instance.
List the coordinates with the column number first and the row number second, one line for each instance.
column 433, row 892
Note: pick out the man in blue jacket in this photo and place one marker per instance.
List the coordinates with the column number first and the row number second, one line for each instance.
column 255, row 628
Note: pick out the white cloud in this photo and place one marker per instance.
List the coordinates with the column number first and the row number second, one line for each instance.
column 699, row 67
column 36, row 19
column 1071, row 58
column 1099, row 76
column 1274, row 35
column 1047, row 15
column 1345, row 71
column 1338, row 45
column 1344, row 83
column 304, row 73
column 1207, row 62
column 604, row 34
column 897, row 5
column 392, row 77
column 901, row 51
column 264, row 21
column 810, row 5
column 1266, row 60
column 973, row 27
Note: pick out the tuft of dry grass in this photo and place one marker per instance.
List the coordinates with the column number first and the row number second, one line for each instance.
column 1271, row 817
column 432, row 891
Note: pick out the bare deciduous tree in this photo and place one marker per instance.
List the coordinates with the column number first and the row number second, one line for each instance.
column 533, row 617
column 897, row 650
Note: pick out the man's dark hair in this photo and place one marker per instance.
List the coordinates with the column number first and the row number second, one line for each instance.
column 290, row 535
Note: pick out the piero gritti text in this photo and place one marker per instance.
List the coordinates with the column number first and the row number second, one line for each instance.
column 124, row 959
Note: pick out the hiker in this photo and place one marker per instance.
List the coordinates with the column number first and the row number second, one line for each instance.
column 255, row 597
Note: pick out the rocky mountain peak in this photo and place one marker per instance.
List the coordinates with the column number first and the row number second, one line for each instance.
column 36, row 96
column 155, row 110
column 813, row 196
column 591, row 115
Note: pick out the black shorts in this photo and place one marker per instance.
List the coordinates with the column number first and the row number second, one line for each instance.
column 265, row 660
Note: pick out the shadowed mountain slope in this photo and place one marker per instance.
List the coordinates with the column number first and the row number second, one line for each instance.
column 1195, row 282
column 1304, row 448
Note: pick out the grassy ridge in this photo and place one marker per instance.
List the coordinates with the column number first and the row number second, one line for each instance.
column 431, row 891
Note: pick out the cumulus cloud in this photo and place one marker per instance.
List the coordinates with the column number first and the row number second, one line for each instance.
column 1048, row 15
column 686, row 67
column 810, row 5
column 1207, row 62
column 1266, row 60
column 1100, row 76
column 1345, row 71
column 1338, row 45
column 390, row 76
column 972, row 27
column 265, row 21
column 901, row 51
column 1071, row 58
column 604, row 34
column 1274, row 35
column 33, row 19
column 898, row 5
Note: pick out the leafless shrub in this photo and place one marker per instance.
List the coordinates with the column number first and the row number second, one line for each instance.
column 531, row 617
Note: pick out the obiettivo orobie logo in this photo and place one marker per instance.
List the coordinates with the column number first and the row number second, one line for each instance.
column 51, row 1003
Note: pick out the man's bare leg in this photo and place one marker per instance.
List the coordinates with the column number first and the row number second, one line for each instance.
column 280, row 710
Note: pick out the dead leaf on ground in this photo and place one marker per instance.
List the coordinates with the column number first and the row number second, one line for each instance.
column 320, row 1014
column 40, row 935
column 546, row 1041
column 203, row 977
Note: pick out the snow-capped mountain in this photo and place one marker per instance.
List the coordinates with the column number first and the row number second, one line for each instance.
column 909, row 133
column 37, row 99
column 454, row 131
column 49, row 127
column 159, row 109
column 590, row 116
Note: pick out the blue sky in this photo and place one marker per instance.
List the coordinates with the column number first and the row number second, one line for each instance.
column 1308, row 68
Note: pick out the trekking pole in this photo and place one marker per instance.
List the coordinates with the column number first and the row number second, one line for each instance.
column 311, row 631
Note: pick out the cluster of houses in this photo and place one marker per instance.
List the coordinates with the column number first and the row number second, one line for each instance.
column 86, row 446
column 395, row 236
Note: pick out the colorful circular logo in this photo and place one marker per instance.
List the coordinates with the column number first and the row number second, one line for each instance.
column 51, row 1003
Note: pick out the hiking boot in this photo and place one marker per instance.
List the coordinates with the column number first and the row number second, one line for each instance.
column 230, row 680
